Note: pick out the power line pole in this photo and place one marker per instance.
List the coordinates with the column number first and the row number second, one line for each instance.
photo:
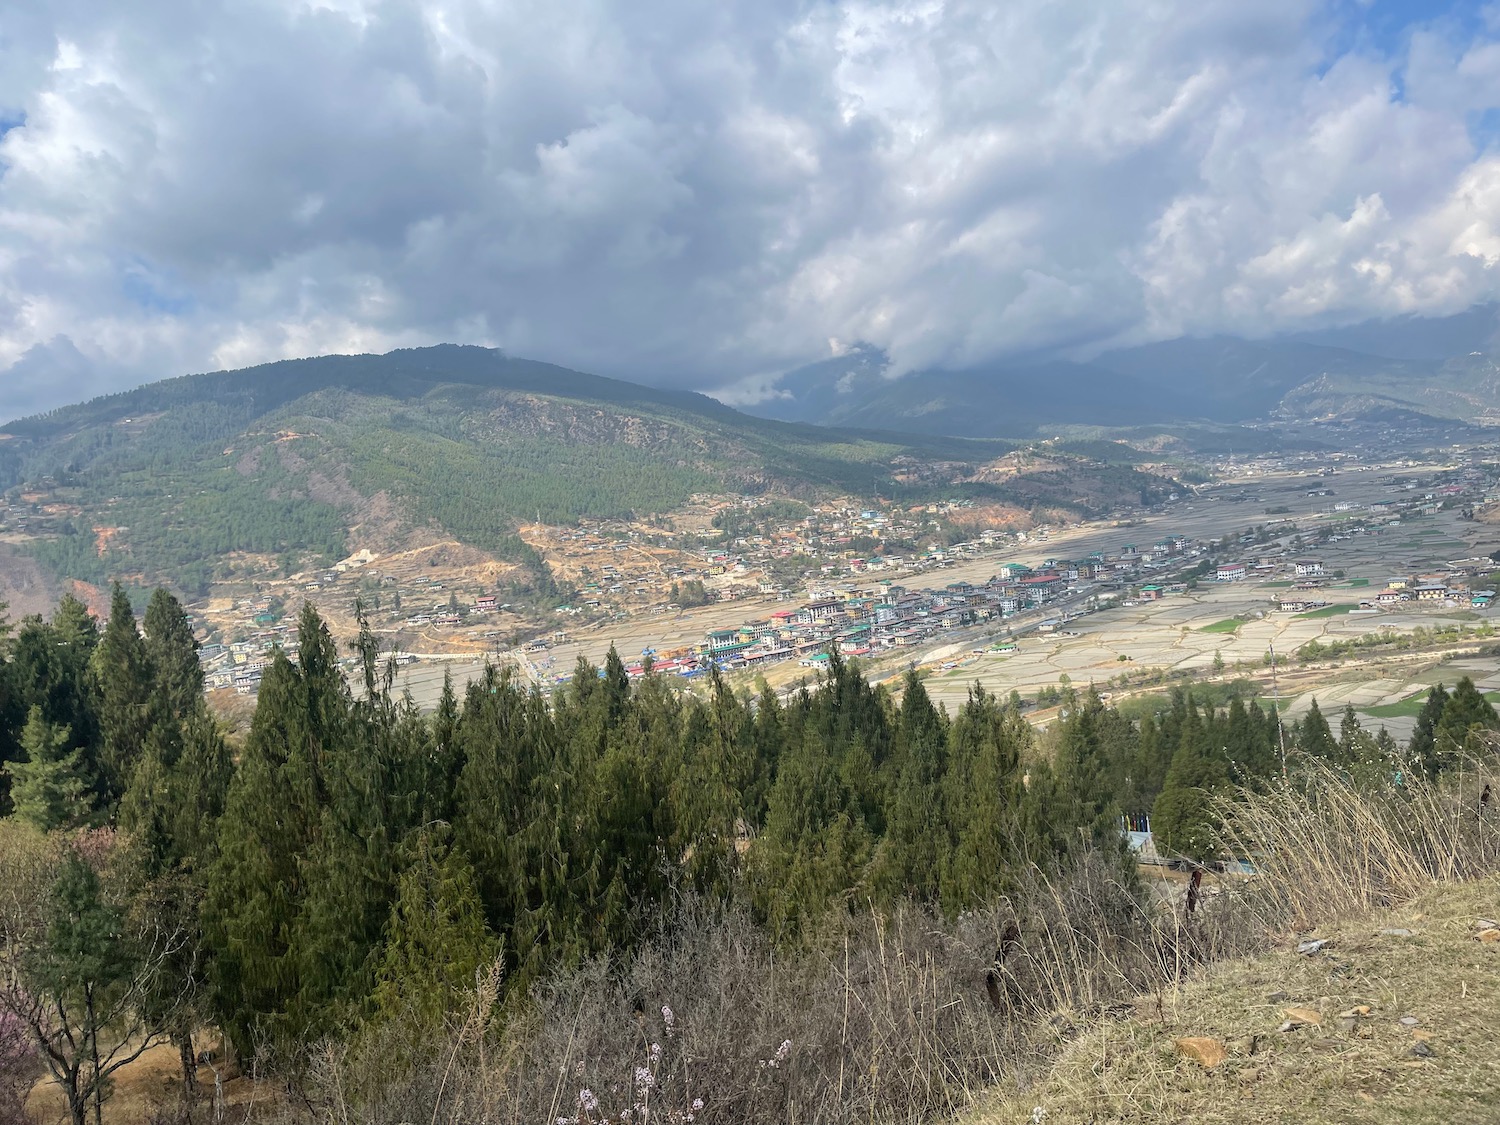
column 1276, row 698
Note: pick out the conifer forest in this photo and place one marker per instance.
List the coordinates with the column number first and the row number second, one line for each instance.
column 624, row 902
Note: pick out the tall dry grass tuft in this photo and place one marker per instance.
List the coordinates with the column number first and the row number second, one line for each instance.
column 891, row 1018
column 1329, row 847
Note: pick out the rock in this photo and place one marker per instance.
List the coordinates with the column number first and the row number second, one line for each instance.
column 1308, row 948
column 1421, row 1051
column 1207, row 1052
column 1357, row 1010
column 1276, row 997
column 1490, row 934
column 1288, row 1025
column 1397, row 931
column 1299, row 1016
column 1348, row 1024
column 1422, row 1036
column 1409, row 1021
column 1487, row 924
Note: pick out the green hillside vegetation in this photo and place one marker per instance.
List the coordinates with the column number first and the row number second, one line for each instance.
column 1337, row 610
column 284, row 459
column 1227, row 625
column 738, row 895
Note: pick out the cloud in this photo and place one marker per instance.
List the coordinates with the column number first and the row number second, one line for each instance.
column 701, row 194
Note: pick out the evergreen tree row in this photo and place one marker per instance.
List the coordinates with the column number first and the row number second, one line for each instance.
column 354, row 858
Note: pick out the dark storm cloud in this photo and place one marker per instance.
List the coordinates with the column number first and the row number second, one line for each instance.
column 690, row 193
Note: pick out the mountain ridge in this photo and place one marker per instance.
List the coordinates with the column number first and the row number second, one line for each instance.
column 1222, row 380
column 201, row 478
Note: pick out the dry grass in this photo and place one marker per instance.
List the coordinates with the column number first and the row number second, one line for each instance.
column 1129, row 1071
column 1400, row 883
column 888, row 1020
column 1327, row 848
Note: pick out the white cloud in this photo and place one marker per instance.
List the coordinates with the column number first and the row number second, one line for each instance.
column 698, row 194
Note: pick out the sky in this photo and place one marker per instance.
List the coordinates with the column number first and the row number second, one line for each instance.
column 703, row 195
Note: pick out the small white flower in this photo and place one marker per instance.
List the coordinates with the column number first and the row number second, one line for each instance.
column 654, row 1053
column 697, row 1105
column 589, row 1100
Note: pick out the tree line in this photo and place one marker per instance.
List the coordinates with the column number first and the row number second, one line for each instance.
column 353, row 860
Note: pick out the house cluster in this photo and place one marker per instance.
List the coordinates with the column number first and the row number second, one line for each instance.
column 1456, row 586
column 240, row 665
column 860, row 620
column 863, row 620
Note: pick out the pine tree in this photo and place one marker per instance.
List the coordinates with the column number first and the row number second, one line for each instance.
column 82, row 987
column 47, row 786
column 1466, row 714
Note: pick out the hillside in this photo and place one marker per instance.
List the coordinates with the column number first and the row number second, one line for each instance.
column 1391, row 1021
column 200, row 478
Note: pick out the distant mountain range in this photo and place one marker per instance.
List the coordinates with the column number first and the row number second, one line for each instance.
column 1436, row 368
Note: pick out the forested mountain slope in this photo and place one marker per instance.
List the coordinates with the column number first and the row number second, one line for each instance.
column 311, row 458
column 1437, row 367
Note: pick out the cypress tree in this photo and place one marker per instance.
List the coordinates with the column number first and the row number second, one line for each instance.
column 436, row 940
column 123, row 679
column 507, row 739
column 271, row 973
column 1182, row 819
column 813, row 853
column 47, row 786
column 172, row 650
column 909, row 859
column 1421, row 750
column 983, row 797
column 1315, row 737
column 1466, row 714
column 12, row 717
column 705, row 788
column 254, row 886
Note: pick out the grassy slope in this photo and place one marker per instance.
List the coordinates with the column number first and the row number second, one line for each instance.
column 1130, row 1071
